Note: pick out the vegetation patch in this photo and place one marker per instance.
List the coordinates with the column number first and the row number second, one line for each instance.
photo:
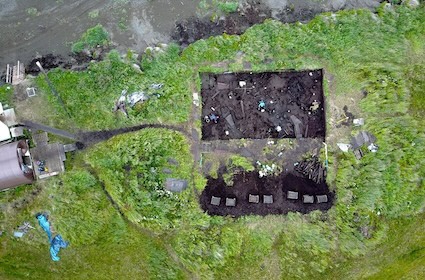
column 228, row 6
column 132, row 170
column 79, row 210
column 94, row 37
column 6, row 95
column 90, row 95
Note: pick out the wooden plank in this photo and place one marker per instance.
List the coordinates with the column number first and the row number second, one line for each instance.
column 7, row 73
column 243, row 109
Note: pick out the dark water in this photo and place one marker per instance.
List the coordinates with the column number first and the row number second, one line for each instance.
column 36, row 27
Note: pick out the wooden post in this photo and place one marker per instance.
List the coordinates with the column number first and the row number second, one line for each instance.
column 52, row 88
column 326, row 154
column 7, row 73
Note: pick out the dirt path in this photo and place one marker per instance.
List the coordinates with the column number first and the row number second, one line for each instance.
column 252, row 12
column 49, row 129
column 93, row 137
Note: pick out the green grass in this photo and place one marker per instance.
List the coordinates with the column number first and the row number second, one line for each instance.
column 90, row 96
column 216, row 7
column 6, row 95
column 401, row 255
column 131, row 167
column 236, row 164
column 241, row 162
column 101, row 243
column 228, row 6
column 417, row 89
column 93, row 37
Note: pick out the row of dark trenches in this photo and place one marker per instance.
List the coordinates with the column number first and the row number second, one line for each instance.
column 271, row 105
column 252, row 195
column 268, row 199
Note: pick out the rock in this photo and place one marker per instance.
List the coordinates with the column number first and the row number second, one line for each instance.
column 388, row 7
column 97, row 53
column 277, row 4
column 162, row 45
column 167, row 170
column 136, row 67
column 175, row 185
column 412, row 3
column 337, row 4
column 172, row 161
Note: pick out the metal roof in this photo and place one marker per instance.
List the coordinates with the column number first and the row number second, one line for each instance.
column 11, row 173
column 4, row 132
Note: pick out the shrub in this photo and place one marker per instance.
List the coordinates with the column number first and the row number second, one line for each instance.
column 93, row 37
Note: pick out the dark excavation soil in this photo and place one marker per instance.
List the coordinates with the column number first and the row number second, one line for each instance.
column 285, row 94
column 192, row 29
column 277, row 186
column 88, row 138
column 189, row 30
column 92, row 137
column 75, row 61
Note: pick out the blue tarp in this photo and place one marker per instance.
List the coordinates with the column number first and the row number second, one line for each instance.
column 57, row 242
column 44, row 223
column 55, row 246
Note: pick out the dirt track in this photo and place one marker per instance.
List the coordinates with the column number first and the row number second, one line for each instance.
column 92, row 137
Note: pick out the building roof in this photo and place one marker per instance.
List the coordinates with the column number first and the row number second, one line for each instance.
column 4, row 132
column 11, row 171
column 254, row 198
column 9, row 117
column 322, row 198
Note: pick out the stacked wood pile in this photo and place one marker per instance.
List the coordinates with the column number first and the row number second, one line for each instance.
column 311, row 168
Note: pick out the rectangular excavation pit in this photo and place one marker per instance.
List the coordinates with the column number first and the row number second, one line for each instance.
column 271, row 195
column 263, row 105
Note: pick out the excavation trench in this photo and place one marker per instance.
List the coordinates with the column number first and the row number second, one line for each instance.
column 269, row 105
column 277, row 187
column 263, row 105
